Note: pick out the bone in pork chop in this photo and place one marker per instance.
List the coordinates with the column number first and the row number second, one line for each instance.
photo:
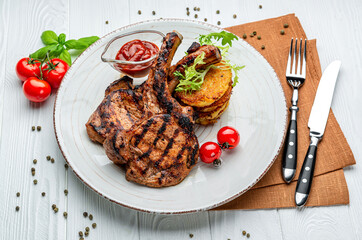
column 160, row 148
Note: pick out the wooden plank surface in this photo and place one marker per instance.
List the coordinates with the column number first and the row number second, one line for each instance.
column 335, row 24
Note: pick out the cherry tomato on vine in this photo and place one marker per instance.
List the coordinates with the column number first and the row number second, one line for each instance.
column 36, row 90
column 54, row 71
column 209, row 152
column 27, row 68
column 228, row 137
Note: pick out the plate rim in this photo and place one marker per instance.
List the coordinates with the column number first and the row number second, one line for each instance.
column 192, row 210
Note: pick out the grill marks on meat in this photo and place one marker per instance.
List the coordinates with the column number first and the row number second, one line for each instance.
column 161, row 148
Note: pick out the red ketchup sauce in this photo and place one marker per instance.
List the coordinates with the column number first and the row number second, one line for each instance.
column 135, row 51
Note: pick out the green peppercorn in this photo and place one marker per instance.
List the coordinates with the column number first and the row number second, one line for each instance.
column 244, row 233
column 85, row 214
column 65, row 214
column 139, row 12
column 43, row 194
column 52, row 160
column 90, row 217
column 35, row 161
column 262, row 47
column 196, row 15
column 56, row 210
column 286, row 25
column 33, row 128
column 38, row 128
column 234, row 16
column 80, row 233
column 248, row 235
column 48, row 158
column 87, row 229
column 94, row 225
column 35, row 182
column 18, row 194
column 282, row 32
column 191, row 235
column 254, row 33
column 66, row 192
column 244, row 36
column 217, row 11
column 17, row 208
column 153, row 13
column 259, row 37
column 218, row 22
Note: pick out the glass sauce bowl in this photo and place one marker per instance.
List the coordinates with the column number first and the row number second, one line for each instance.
column 134, row 69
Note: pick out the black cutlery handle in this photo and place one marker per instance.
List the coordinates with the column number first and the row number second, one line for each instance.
column 306, row 174
column 289, row 161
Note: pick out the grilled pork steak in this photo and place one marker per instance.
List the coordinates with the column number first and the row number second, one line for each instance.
column 146, row 129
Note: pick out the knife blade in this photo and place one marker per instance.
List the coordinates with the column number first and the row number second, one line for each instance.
column 317, row 123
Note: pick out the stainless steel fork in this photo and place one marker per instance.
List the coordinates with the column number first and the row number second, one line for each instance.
column 295, row 75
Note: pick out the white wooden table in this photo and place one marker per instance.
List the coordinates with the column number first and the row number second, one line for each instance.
column 336, row 24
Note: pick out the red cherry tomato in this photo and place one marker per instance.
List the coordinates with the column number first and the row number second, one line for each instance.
column 27, row 68
column 228, row 137
column 36, row 90
column 209, row 152
column 54, row 71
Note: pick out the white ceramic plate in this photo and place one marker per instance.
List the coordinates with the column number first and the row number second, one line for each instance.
column 257, row 109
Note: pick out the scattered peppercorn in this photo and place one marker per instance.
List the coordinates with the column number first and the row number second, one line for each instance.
column 52, row 160
column 244, row 36
column 32, row 169
column 196, row 16
column 139, row 12
column 153, row 13
column 38, row 128
column 191, row 235
column 188, row 13
column 90, row 217
column 248, row 235
column 94, row 225
column 81, row 238
column 85, row 214
column 48, row 158
column 251, row 35
column 259, row 37
column 66, row 166
column 187, row 9
column 205, row 19
column 262, row 47
column 35, row 182
column 234, row 16
column 35, row 161
column 217, row 11
column 198, row 9
column 43, row 194
column 286, row 25
column 65, row 214
column 56, row 210
column 80, row 233
column 17, row 208
column 87, row 229
column 195, row 8
column 260, row 6
column 244, row 233
column 66, row 192
column 282, row 32
column 86, row 234
column 33, row 128
column 218, row 22
column 106, row 22
column 18, row 194
column 254, row 33
column 54, row 206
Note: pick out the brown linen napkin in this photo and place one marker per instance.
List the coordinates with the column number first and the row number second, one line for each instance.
column 334, row 153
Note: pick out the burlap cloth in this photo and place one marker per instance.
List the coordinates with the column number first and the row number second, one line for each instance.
column 329, row 185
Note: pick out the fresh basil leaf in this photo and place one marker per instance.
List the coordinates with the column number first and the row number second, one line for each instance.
column 49, row 37
column 41, row 53
column 61, row 38
column 76, row 44
column 89, row 40
column 57, row 51
column 64, row 55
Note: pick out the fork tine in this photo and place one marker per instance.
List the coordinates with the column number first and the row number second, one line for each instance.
column 289, row 59
column 299, row 68
column 295, row 56
column 304, row 59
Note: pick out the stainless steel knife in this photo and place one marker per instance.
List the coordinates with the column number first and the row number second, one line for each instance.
column 317, row 123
